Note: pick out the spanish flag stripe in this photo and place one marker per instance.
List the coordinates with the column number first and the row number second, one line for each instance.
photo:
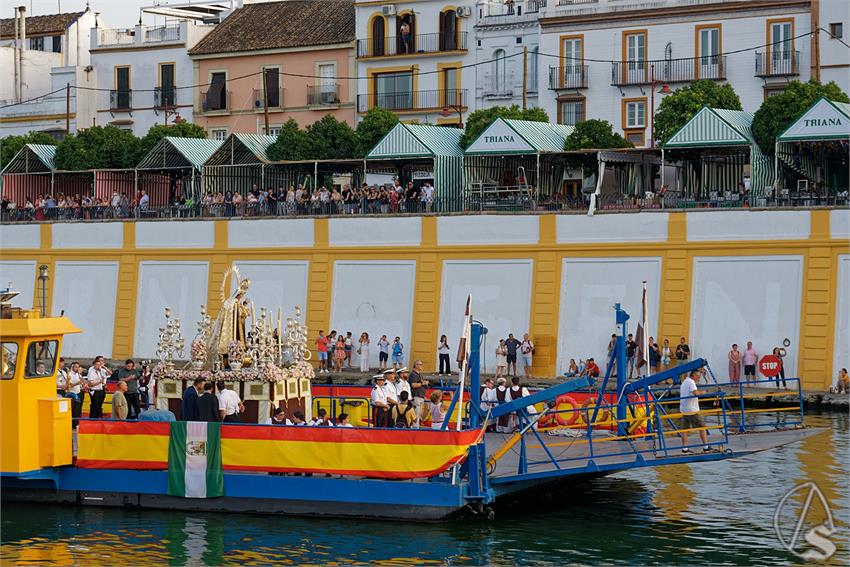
column 350, row 435
column 113, row 464
column 124, row 427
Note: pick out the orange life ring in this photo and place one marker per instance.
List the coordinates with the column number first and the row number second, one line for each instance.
column 602, row 416
column 569, row 418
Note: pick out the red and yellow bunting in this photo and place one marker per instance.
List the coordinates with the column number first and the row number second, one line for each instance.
column 375, row 453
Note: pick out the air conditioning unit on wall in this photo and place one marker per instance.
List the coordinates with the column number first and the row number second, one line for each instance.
column 388, row 10
column 464, row 11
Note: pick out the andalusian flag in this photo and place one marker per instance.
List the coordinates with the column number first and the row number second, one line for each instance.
column 194, row 460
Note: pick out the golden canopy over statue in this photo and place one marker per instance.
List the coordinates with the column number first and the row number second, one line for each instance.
column 229, row 326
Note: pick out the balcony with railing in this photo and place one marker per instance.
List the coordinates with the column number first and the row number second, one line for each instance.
column 422, row 43
column 217, row 100
column 413, row 100
column 778, row 64
column 141, row 36
column 156, row 34
column 112, row 37
column 626, row 73
column 275, row 98
column 322, row 95
column 516, row 12
column 164, row 97
column 568, row 77
column 121, row 99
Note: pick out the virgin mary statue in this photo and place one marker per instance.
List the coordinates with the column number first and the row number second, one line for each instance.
column 229, row 326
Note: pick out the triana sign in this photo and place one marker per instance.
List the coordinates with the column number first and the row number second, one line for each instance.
column 823, row 121
column 499, row 138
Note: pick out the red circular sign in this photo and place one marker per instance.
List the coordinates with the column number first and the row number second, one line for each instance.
column 769, row 365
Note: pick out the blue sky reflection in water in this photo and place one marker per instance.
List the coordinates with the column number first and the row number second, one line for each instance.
column 720, row 513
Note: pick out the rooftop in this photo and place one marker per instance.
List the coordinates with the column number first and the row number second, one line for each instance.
column 49, row 24
column 281, row 25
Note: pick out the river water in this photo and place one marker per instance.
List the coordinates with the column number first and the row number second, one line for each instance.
column 712, row 513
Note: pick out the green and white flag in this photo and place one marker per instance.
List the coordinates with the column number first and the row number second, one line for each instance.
column 194, row 460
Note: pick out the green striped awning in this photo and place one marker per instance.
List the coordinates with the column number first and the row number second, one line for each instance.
column 179, row 153
column 418, row 140
column 714, row 127
column 242, row 149
column 509, row 136
column 824, row 120
column 33, row 158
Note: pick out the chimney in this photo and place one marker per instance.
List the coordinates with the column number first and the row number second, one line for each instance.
column 23, row 23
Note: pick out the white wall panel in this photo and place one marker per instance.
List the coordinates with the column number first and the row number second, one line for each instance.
column 488, row 229
column 613, row 227
column 589, row 289
column 740, row 298
column 839, row 223
column 748, row 225
column 88, row 235
column 175, row 234
column 180, row 285
column 20, row 276
column 262, row 233
column 376, row 297
column 501, row 300
column 20, row 236
column 277, row 284
column 374, row 231
column 86, row 292
column 841, row 350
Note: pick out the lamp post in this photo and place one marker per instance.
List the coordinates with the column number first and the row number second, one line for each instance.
column 665, row 89
column 43, row 275
column 447, row 111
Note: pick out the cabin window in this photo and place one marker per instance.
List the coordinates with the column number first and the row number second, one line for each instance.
column 41, row 359
column 9, row 360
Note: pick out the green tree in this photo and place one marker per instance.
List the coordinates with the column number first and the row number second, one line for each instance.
column 291, row 143
column 680, row 106
column 592, row 134
column 479, row 120
column 11, row 145
column 329, row 138
column 182, row 129
column 780, row 111
column 373, row 127
column 98, row 147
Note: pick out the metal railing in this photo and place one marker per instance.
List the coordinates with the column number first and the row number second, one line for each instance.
column 322, row 95
column 778, row 64
column 115, row 37
column 162, row 33
column 164, row 97
column 668, row 70
column 568, row 77
column 217, row 100
column 120, row 99
column 413, row 100
column 417, row 43
column 275, row 98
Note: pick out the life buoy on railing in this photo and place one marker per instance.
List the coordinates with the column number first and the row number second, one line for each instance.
column 588, row 406
column 637, row 415
column 569, row 416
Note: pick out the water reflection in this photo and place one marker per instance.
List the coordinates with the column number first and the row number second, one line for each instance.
column 720, row 513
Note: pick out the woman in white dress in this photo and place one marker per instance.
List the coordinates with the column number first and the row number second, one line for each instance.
column 363, row 351
column 501, row 358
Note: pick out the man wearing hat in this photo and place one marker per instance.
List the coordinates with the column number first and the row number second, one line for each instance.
column 402, row 384
column 379, row 403
column 389, row 390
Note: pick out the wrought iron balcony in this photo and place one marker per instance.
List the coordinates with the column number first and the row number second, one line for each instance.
column 215, row 100
column 164, row 97
column 322, row 95
column 418, row 43
column 413, row 100
column 275, row 98
column 778, row 64
column 568, row 77
column 121, row 99
column 626, row 73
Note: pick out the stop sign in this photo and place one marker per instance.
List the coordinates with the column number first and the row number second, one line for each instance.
column 769, row 365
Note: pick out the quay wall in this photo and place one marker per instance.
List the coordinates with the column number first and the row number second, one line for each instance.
column 715, row 277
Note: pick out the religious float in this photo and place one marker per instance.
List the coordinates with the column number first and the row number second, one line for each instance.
column 460, row 468
column 265, row 361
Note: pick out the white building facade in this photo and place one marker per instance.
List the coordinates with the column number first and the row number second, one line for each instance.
column 507, row 38
column 40, row 57
column 605, row 58
column 423, row 75
column 144, row 74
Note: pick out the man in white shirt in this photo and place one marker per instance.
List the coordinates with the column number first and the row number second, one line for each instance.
column 380, row 415
column 96, row 380
column 229, row 404
column 402, row 384
column 75, row 387
column 527, row 350
column 488, row 400
column 144, row 201
column 61, row 379
column 689, row 408
column 389, row 388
